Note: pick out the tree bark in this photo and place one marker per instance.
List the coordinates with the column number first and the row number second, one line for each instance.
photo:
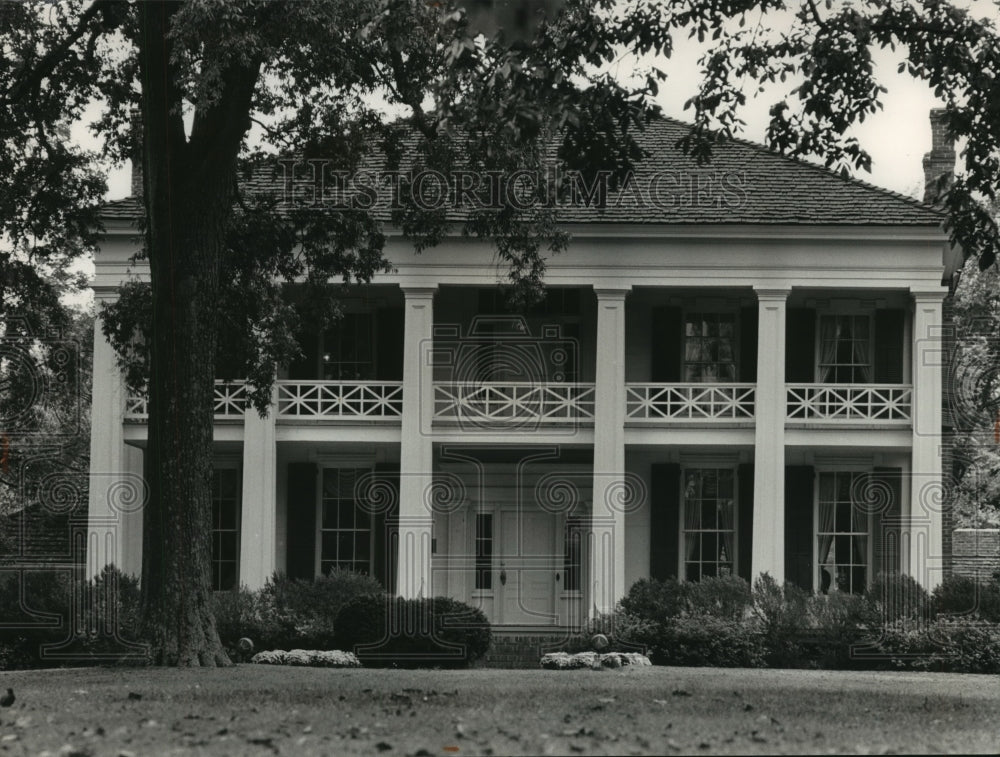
column 188, row 195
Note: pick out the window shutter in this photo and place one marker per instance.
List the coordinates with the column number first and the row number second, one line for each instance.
column 384, row 552
column 748, row 344
column 800, row 346
column 389, row 346
column 744, row 536
column 888, row 352
column 799, row 525
column 665, row 492
column 666, row 342
column 301, row 510
column 888, row 520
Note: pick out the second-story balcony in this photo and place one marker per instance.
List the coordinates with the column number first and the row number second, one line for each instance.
column 340, row 400
column 501, row 403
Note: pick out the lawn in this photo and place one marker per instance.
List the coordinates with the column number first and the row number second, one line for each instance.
column 260, row 710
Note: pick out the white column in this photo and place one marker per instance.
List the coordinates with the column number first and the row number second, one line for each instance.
column 416, row 446
column 923, row 540
column 258, row 510
column 607, row 549
column 116, row 495
column 768, row 549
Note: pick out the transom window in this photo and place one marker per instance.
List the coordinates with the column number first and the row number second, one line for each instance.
column 709, row 526
column 842, row 531
column 484, row 551
column 225, row 528
column 709, row 347
column 347, row 353
column 845, row 355
column 345, row 530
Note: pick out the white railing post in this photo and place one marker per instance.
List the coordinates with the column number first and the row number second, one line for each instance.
column 416, row 448
column 923, row 539
column 768, row 549
column 607, row 553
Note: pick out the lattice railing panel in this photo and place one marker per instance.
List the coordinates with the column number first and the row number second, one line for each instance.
column 689, row 402
column 514, row 401
column 229, row 401
column 875, row 403
column 340, row 399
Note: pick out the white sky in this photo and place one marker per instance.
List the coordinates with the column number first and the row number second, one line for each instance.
column 896, row 138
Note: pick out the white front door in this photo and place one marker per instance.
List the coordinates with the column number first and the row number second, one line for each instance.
column 526, row 567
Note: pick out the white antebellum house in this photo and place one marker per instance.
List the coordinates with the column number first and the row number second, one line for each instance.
column 736, row 369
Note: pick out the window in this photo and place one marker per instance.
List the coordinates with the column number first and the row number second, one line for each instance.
column 573, row 553
column 841, row 535
column 225, row 528
column 709, row 526
column 347, row 349
column 345, row 530
column 709, row 347
column 484, row 551
column 845, row 355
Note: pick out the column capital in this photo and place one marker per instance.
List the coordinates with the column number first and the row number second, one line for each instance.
column 419, row 292
column 928, row 297
column 614, row 294
column 772, row 293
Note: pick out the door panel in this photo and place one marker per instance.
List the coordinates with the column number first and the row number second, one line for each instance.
column 529, row 563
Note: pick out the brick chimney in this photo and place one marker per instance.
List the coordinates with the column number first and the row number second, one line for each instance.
column 137, row 157
column 940, row 161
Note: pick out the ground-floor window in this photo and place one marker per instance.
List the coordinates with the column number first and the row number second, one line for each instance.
column 484, row 551
column 345, row 525
column 708, row 527
column 842, row 531
column 225, row 528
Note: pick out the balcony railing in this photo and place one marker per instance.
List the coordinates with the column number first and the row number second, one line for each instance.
column 689, row 402
column 850, row 403
column 229, row 402
column 488, row 403
column 340, row 399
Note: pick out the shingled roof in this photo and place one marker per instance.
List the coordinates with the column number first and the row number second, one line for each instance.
column 744, row 184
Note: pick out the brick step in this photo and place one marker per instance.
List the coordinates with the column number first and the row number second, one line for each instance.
column 522, row 650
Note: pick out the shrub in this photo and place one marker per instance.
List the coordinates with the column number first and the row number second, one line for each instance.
column 708, row 640
column 289, row 613
column 625, row 632
column 105, row 631
column 390, row 631
column 654, row 600
column 896, row 596
column 964, row 596
column 955, row 646
column 726, row 597
column 781, row 613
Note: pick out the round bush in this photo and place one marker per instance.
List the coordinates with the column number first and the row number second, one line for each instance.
column 389, row 631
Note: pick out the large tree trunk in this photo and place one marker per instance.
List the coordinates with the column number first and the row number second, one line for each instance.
column 189, row 193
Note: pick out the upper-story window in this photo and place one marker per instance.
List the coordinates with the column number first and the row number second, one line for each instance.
column 348, row 349
column 845, row 349
column 709, row 347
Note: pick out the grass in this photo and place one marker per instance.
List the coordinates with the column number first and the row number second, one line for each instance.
column 262, row 710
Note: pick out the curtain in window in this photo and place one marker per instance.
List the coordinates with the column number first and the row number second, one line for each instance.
column 862, row 352
column 828, row 338
column 726, row 522
column 859, row 525
column 826, row 517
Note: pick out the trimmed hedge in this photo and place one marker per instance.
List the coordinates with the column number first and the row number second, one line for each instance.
column 288, row 613
column 386, row 631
